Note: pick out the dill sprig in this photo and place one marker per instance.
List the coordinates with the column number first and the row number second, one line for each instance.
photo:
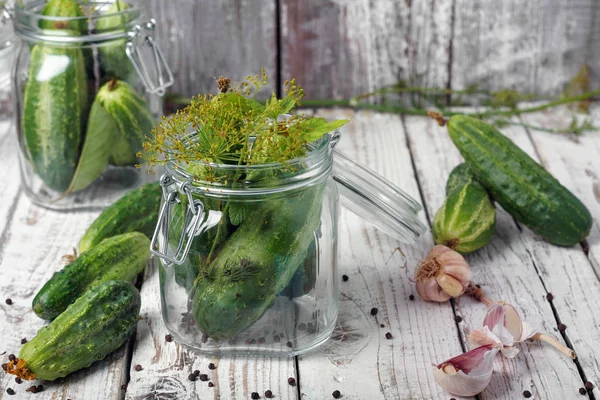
column 233, row 127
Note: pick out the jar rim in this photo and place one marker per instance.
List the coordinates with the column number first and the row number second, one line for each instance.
column 316, row 166
column 28, row 18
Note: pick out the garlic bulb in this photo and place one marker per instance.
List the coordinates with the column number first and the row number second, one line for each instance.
column 444, row 274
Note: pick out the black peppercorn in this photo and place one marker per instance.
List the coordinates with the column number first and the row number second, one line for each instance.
column 411, row 297
column 276, row 339
column 203, row 377
column 212, row 366
column 168, row 338
column 374, row 311
column 269, row 394
column 210, row 384
column 4, row 366
column 382, row 325
column 138, row 367
column 292, row 381
column 18, row 380
column 549, row 297
column 124, row 386
column 345, row 278
column 255, row 396
column 526, row 394
column 589, row 385
column 192, row 377
column 336, row 394
column 10, row 391
column 261, row 340
column 458, row 319
column 196, row 372
column 24, row 340
column 388, row 335
column 9, row 301
column 302, row 326
column 11, row 357
column 289, row 344
column 582, row 391
column 562, row 327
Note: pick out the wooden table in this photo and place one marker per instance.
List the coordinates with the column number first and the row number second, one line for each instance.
column 417, row 155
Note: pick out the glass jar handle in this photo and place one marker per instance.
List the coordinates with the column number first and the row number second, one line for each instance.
column 194, row 223
column 162, row 72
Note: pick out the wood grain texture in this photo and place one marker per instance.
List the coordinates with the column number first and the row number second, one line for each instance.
column 167, row 365
column 359, row 360
column 533, row 46
column 205, row 39
column 505, row 270
column 338, row 49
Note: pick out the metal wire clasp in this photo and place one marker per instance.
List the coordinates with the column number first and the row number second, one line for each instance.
column 194, row 222
column 161, row 77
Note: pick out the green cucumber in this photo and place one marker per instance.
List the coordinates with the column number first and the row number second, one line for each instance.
column 132, row 116
column 467, row 219
column 96, row 324
column 55, row 104
column 137, row 211
column 76, row 23
column 520, row 185
column 121, row 257
column 112, row 57
column 460, row 176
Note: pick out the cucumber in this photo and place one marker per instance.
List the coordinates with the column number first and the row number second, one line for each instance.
column 460, row 176
column 112, row 57
column 97, row 324
column 467, row 219
column 255, row 264
column 520, row 185
column 132, row 116
column 121, row 257
column 77, row 23
column 55, row 103
column 137, row 211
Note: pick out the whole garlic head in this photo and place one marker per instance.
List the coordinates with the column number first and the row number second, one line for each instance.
column 443, row 275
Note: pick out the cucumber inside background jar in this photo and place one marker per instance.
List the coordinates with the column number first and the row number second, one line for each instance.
column 7, row 54
column 82, row 110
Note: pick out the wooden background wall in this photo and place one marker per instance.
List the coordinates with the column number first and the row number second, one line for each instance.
column 341, row 48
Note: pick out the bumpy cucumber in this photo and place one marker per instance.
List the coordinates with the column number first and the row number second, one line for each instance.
column 255, row 264
column 522, row 186
column 112, row 56
column 96, row 324
column 55, row 104
column 467, row 219
column 137, row 211
column 132, row 116
column 460, row 176
column 121, row 257
column 77, row 23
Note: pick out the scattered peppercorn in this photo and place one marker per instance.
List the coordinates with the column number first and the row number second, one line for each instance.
column 302, row 326
column 458, row 319
column 255, row 396
column 388, row 335
column 345, row 278
column 10, row 391
column 4, row 366
column 24, row 340
column 289, row 344
column 253, row 341
column 292, row 381
column 562, row 327
column 196, row 372
column 138, row 367
column 549, row 297
column 192, row 377
column 18, row 380
column 582, row 391
column 11, row 357
column 374, row 311
column 212, row 366
column 526, row 394
column 210, row 384
column 382, row 325
column 32, row 389
column 9, row 302
column 269, row 394
column 124, row 386
column 589, row 385
column 40, row 388
column 168, row 338
column 261, row 340
column 336, row 394
column 276, row 339
column 411, row 297
column 203, row 377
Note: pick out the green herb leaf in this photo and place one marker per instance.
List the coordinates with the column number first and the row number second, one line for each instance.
column 96, row 148
column 317, row 127
column 238, row 213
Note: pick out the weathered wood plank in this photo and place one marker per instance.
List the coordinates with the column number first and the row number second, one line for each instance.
column 205, row 39
column 338, row 49
column 34, row 242
column 505, row 270
column 534, row 46
column 359, row 360
column 166, row 365
column 9, row 165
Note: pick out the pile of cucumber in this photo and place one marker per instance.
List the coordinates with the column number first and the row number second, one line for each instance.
column 496, row 169
column 91, row 302
column 81, row 116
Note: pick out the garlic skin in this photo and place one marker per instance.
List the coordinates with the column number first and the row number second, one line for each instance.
column 467, row 374
column 443, row 275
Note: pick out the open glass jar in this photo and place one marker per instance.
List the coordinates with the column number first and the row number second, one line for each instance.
column 7, row 53
column 88, row 84
column 248, row 260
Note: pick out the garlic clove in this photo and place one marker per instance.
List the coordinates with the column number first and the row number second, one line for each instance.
column 483, row 337
column 467, row 374
column 459, row 272
column 451, row 286
column 429, row 290
column 513, row 322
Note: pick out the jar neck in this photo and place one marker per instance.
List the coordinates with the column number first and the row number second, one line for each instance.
column 100, row 22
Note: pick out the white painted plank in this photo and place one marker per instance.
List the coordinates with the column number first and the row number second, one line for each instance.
column 34, row 242
column 167, row 365
column 359, row 361
column 9, row 165
column 505, row 271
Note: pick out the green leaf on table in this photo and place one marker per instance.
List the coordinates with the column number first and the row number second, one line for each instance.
column 238, row 213
column 96, row 148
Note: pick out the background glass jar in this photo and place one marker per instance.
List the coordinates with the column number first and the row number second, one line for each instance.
column 248, row 258
column 88, row 80
column 7, row 53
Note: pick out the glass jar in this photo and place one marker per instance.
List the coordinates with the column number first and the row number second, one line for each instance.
column 88, row 89
column 7, row 53
column 248, row 259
